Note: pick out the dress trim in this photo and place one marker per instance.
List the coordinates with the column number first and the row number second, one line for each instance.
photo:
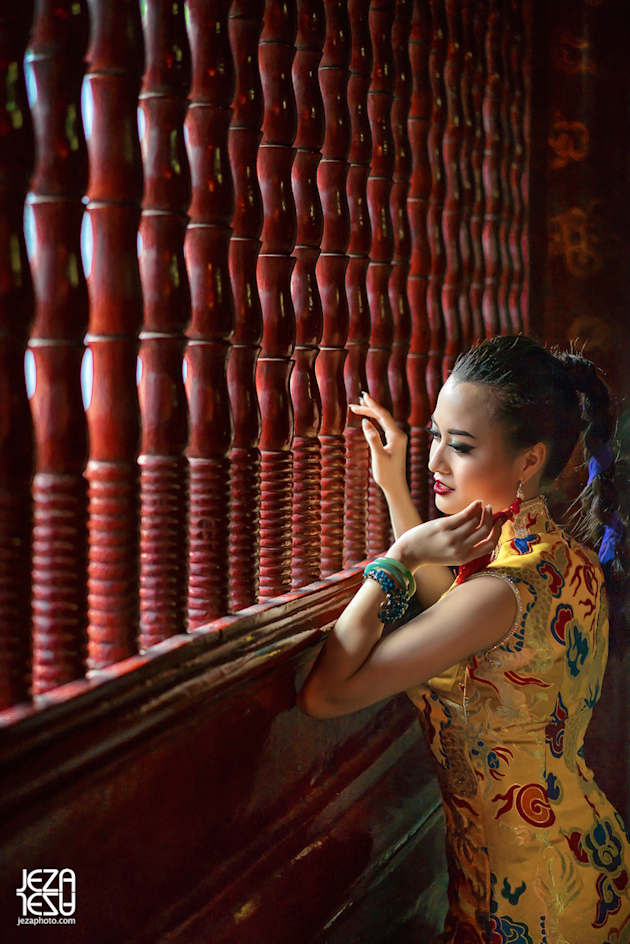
column 519, row 604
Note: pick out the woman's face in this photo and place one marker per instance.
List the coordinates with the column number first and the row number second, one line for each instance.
column 470, row 458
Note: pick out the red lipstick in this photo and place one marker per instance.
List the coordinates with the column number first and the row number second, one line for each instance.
column 440, row 489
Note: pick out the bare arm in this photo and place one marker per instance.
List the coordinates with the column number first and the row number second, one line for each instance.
column 389, row 470
column 357, row 667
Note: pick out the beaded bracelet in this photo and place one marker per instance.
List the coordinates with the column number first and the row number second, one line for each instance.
column 405, row 577
column 396, row 600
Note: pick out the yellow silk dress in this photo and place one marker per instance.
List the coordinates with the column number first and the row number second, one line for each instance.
column 536, row 853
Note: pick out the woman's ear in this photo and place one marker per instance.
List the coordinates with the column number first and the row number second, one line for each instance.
column 533, row 461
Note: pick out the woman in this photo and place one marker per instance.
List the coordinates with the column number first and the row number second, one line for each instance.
column 505, row 663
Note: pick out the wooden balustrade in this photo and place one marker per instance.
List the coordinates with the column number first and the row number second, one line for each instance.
column 163, row 465
column 307, row 404
column 357, row 343
column 326, row 196
column 113, row 213
column 54, row 213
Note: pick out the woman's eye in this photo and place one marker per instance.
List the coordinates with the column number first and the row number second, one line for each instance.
column 432, row 431
column 461, row 448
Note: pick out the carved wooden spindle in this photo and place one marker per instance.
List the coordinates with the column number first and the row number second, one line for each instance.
column 451, row 216
column 305, row 293
column 505, row 164
column 417, row 206
column 357, row 451
column 379, row 187
column 516, row 118
column 398, row 297
column 331, row 273
column 467, row 326
column 527, row 11
column 436, row 201
column 163, row 465
column 16, row 313
column 245, row 25
column 55, row 62
column 275, row 264
column 114, row 194
column 491, row 163
column 476, row 160
column 212, row 323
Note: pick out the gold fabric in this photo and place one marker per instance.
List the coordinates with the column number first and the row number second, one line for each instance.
column 536, row 853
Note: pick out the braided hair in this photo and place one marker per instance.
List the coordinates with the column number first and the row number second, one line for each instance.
column 555, row 398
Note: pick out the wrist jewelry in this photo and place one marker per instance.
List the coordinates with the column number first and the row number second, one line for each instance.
column 397, row 597
column 405, row 577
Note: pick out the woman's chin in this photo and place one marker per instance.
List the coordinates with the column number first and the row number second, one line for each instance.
column 448, row 503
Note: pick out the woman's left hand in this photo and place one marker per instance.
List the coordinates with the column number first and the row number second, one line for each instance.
column 452, row 540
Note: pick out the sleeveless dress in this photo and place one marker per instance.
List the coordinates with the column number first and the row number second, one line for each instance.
column 536, row 853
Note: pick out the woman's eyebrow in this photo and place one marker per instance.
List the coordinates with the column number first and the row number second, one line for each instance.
column 455, row 432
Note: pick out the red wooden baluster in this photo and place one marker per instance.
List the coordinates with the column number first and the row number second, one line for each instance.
column 379, row 187
column 451, row 217
column 357, row 451
column 163, row 465
column 417, row 206
column 305, row 293
column 491, row 158
column 527, row 11
column 398, row 297
column 467, row 188
column 505, row 164
column 212, row 322
column 16, row 313
column 114, row 194
column 516, row 117
column 245, row 25
column 331, row 273
column 476, row 159
column 436, row 202
column 275, row 264
column 55, row 210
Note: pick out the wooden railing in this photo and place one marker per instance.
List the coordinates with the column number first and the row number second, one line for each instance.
column 279, row 205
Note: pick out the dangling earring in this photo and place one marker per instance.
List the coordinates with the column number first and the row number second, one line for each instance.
column 520, row 528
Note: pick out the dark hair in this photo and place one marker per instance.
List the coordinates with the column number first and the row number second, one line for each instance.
column 554, row 398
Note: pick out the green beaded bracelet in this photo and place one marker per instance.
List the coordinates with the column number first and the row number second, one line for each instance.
column 405, row 577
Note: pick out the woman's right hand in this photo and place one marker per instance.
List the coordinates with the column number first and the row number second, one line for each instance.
column 389, row 460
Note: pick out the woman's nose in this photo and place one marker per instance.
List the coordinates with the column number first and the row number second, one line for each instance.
column 437, row 457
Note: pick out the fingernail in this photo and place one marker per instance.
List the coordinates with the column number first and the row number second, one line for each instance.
column 364, row 394
column 365, row 422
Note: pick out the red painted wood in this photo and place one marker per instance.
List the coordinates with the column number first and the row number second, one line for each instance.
column 54, row 213
column 420, row 260
column 452, row 213
column 275, row 265
column 114, row 194
column 379, row 187
column 212, row 318
column 332, row 264
column 491, row 163
column 437, row 59
column 245, row 25
column 398, row 296
column 357, row 452
column 167, row 191
column 306, row 299
column 505, row 163
column 516, row 109
column 470, row 329
column 527, row 11
column 478, row 206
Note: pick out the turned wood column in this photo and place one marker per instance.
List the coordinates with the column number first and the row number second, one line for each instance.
column 437, row 58
column 212, row 322
column 516, row 110
column 16, row 314
column 163, row 464
column 476, row 159
column 420, row 264
column 115, row 59
column 332, row 175
column 379, row 187
column 357, row 451
column 53, row 221
column 491, row 163
column 307, row 405
column 275, row 265
column 245, row 25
